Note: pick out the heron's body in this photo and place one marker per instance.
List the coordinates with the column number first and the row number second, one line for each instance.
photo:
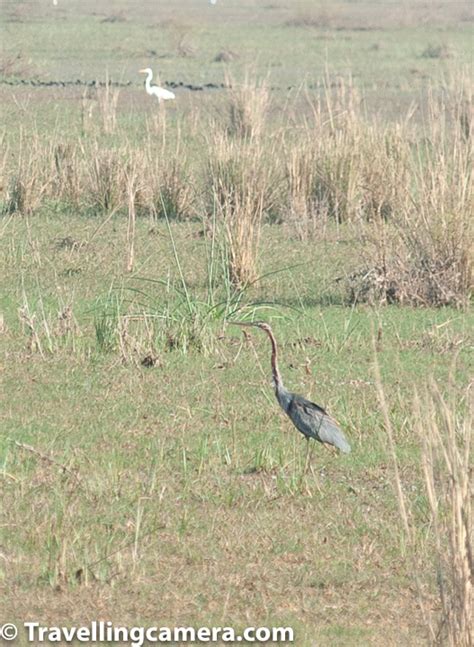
column 312, row 420
column 309, row 418
column 154, row 90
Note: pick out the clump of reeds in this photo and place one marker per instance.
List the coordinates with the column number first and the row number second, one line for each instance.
column 248, row 106
column 300, row 178
column 342, row 168
column 330, row 157
column 106, row 181
column 107, row 99
column 242, row 185
column 29, row 181
column 242, row 175
column 67, row 173
column 412, row 208
column 445, row 435
column 441, row 424
column 172, row 191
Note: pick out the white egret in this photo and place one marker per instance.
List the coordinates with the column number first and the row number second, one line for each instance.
column 155, row 90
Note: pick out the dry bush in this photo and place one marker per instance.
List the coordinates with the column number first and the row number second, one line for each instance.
column 343, row 169
column 335, row 134
column 337, row 182
column 29, row 180
column 107, row 98
column 87, row 175
column 437, row 51
column 248, row 107
column 43, row 170
column 225, row 56
column 435, row 231
column 443, row 426
column 172, row 191
column 445, row 435
column 323, row 17
column 243, row 187
column 169, row 189
column 444, row 544
column 106, row 179
column 185, row 47
column 177, row 193
column 422, row 253
column 16, row 66
column 67, row 175
column 384, row 172
column 300, row 178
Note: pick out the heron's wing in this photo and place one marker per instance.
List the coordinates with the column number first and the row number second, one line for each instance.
column 312, row 420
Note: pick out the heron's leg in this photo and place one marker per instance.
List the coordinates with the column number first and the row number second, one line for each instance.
column 330, row 448
column 308, row 456
column 303, row 479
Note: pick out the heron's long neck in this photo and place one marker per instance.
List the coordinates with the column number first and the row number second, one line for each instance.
column 149, row 77
column 276, row 373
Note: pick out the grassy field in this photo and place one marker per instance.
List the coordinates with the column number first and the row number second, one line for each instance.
column 147, row 474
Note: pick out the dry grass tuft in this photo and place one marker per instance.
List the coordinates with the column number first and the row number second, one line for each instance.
column 29, row 180
column 300, row 175
column 437, row 51
column 315, row 19
column 416, row 223
column 173, row 193
column 343, row 168
column 225, row 56
column 248, row 107
column 106, row 180
column 67, row 174
column 444, row 433
column 107, row 98
column 242, row 189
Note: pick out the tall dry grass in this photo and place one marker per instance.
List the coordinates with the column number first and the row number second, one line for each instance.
column 28, row 178
column 442, row 426
column 242, row 175
column 343, row 166
column 420, row 251
column 106, row 178
column 405, row 188
column 171, row 182
column 300, row 175
column 243, row 187
column 248, row 106
column 107, row 99
column 445, row 436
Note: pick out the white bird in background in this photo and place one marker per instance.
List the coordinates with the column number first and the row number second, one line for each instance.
column 155, row 90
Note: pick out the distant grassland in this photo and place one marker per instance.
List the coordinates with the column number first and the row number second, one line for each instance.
column 146, row 473
column 396, row 46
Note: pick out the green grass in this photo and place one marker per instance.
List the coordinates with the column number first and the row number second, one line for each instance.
column 175, row 493
column 185, row 478
column 72, row 42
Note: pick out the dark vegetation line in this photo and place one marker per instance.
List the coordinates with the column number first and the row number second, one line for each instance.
column 116, row 84
column 124, row 84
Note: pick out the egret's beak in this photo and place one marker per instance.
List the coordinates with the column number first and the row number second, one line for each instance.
column 142, row 71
